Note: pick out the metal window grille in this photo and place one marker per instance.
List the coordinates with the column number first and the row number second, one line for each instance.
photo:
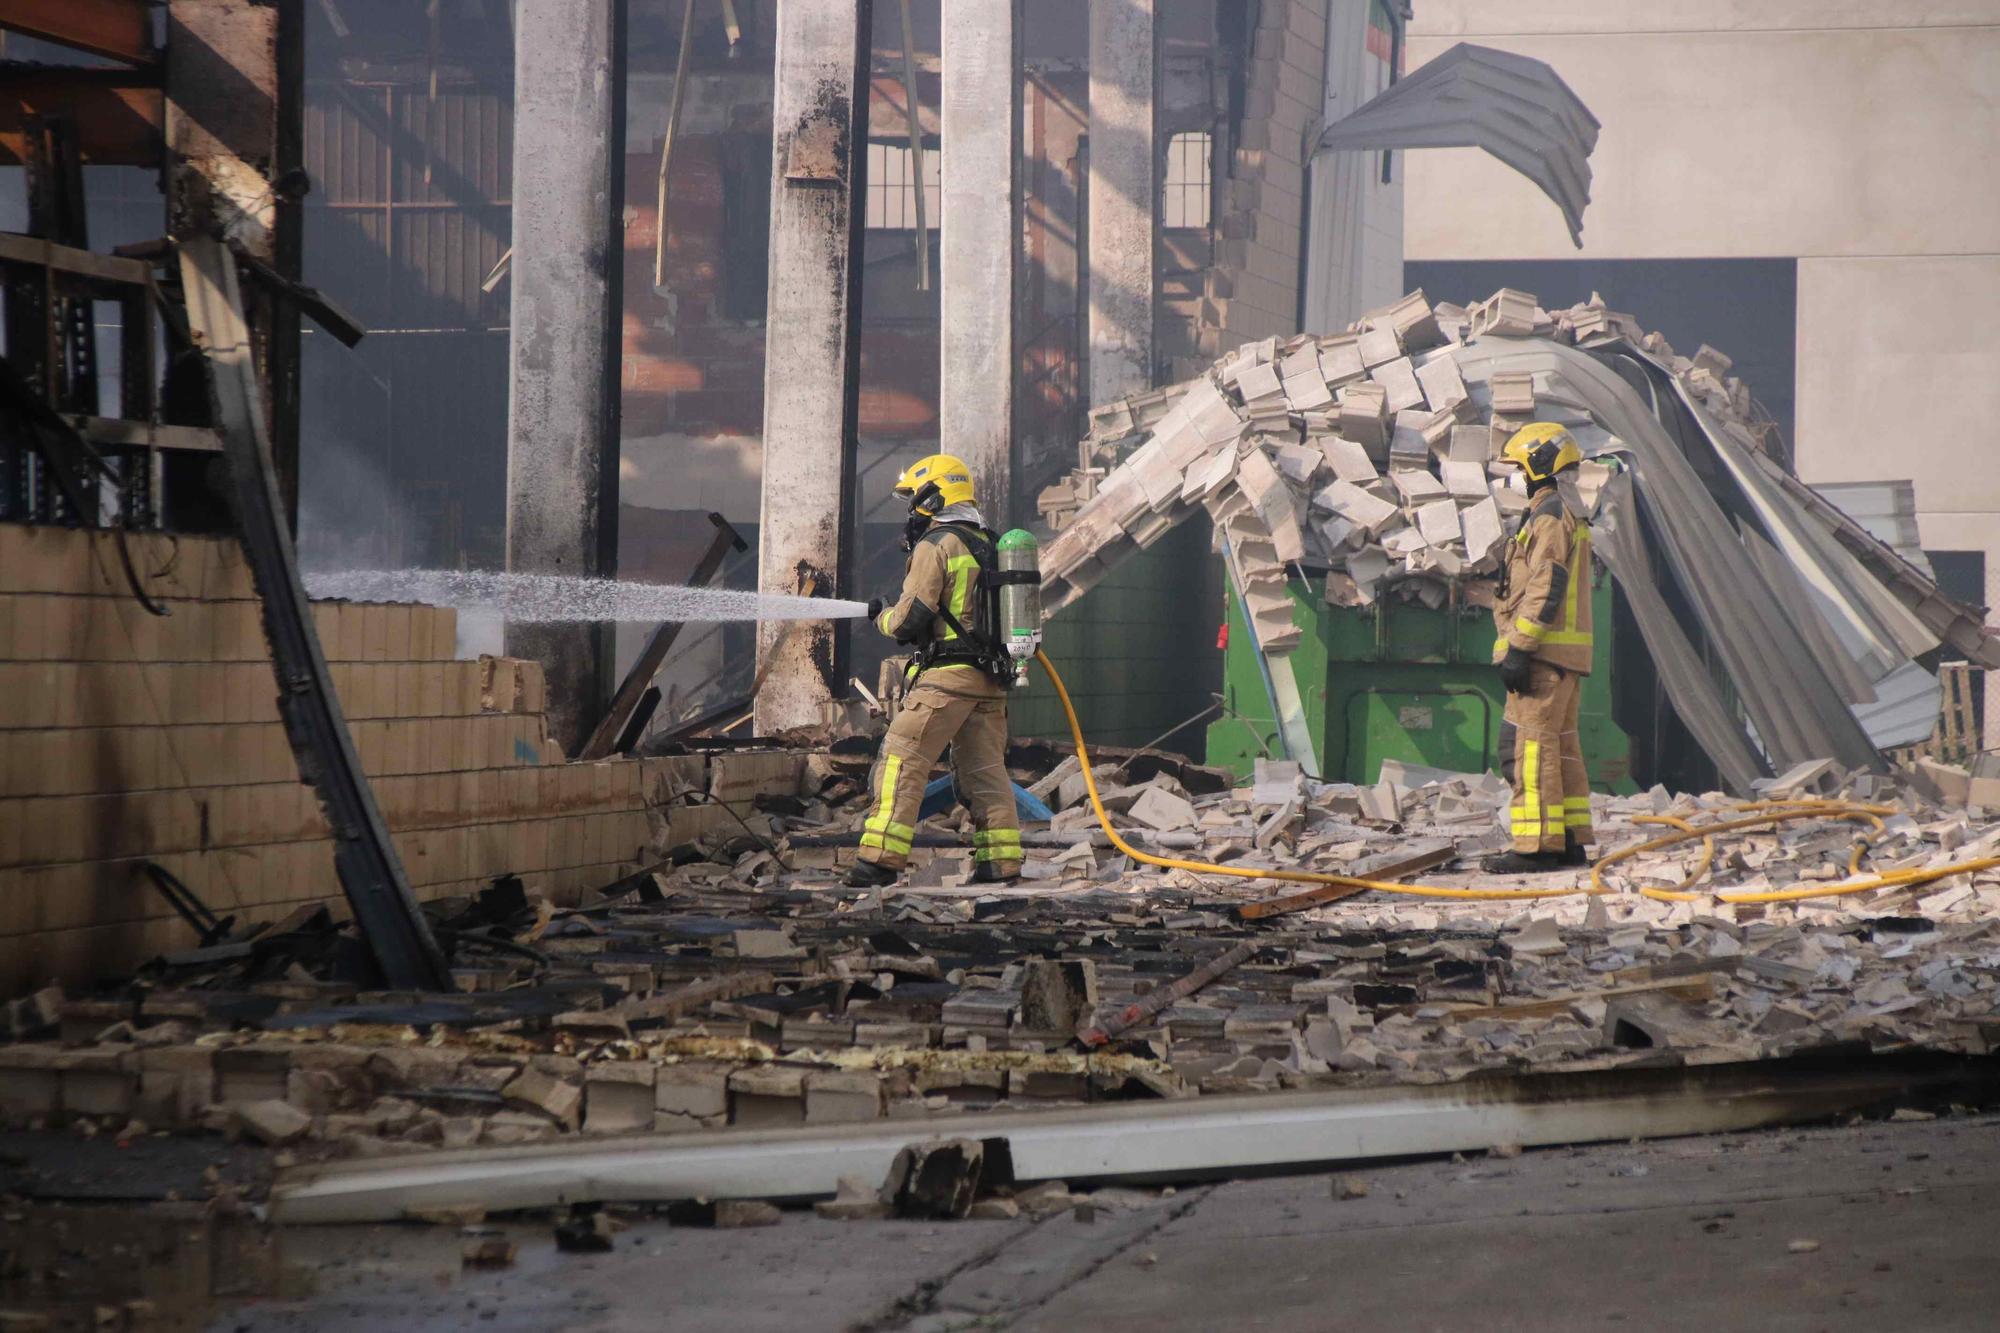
column 892, row 188
column 1185, row 203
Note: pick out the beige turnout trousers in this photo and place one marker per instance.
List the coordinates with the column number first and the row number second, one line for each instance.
column 959, row 707
column 1543, row 758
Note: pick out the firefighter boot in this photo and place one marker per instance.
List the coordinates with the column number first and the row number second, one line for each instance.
column 1524, row 863
column 870, row 875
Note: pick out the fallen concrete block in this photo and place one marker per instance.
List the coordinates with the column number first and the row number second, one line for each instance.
column 842, row 1096
column 1465, row 481
column 176, row 1085
column 1348, row 460
column 1297, row 464
column 1438, row 522
column 487, row 1251
column 1377, row 346
column 1507, row 313
column 1340, row 359
column 1810, row 777
column 1946, row 784
column 1398, row 379
column 1482, row 528
column 1057, row 994
column 767, row 1097
column 1443, row 386
column 618, row 1098
column 1364, row 414
column 557, row 1098
column 1363, row 509
column 1417, row 485
column 765, row 944
column 1513, row 393
column 1162, row 810
column 1412, row 318
column 936, row 1180
column 35, row 1015
column 272, row 1123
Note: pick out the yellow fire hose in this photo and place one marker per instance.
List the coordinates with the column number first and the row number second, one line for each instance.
column 1756, row 813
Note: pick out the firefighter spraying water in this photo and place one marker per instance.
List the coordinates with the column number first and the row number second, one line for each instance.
column 970, row 611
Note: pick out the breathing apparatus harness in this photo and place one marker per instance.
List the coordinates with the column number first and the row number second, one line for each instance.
column 978, row 644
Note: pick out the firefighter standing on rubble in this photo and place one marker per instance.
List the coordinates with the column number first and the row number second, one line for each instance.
column 957, row 681
column 1543, row 648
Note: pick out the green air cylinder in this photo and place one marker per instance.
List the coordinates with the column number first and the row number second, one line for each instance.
column 1020, row 594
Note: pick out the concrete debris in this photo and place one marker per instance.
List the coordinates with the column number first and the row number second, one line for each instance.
column 1356, row 425
column 484, row 1248
column 735, row 1213
column 936, row 1180
column 856, row 1200
column 273, row 1123
column 588, row 1230
column 939, row 999
column 1057, row 994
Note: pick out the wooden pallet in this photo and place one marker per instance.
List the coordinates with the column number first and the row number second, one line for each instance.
column 1956, row 738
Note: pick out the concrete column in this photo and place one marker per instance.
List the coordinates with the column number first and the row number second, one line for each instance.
column 1122, row 197
column 563, row 325
column 812, row 344
column 981, row 230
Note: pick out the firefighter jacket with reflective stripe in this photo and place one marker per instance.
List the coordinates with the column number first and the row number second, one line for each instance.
column 943, row 572
column 1545, row 607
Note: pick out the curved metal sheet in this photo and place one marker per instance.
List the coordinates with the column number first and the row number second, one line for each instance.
column 1516, row 108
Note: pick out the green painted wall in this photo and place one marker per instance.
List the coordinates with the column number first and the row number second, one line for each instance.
column 1137, row 651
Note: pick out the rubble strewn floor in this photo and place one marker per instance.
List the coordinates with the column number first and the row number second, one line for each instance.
column 1686, row 1233
column 751, row 989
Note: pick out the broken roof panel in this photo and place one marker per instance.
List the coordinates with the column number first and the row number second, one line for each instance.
column 1516, row 108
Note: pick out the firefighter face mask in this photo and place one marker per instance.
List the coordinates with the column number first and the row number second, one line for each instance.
column 925, row 506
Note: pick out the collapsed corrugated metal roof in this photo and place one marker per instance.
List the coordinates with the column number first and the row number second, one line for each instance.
column 1781, row 630
column 1514, row 107
column 1888, row 510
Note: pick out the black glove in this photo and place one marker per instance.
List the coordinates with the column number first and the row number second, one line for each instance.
column 1514, row 670
column 875, row 607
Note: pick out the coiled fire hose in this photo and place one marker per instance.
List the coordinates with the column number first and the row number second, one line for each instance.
column 1754, row 814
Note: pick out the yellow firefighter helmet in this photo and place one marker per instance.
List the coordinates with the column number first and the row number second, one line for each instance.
column 1542, row 449
column 944, row 474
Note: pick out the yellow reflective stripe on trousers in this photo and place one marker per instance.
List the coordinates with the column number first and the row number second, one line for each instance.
column 1530, row 812
column 897, row 838
column 876, row 830
column 1576, row 812
column 959, row 570
column 1000, row 844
